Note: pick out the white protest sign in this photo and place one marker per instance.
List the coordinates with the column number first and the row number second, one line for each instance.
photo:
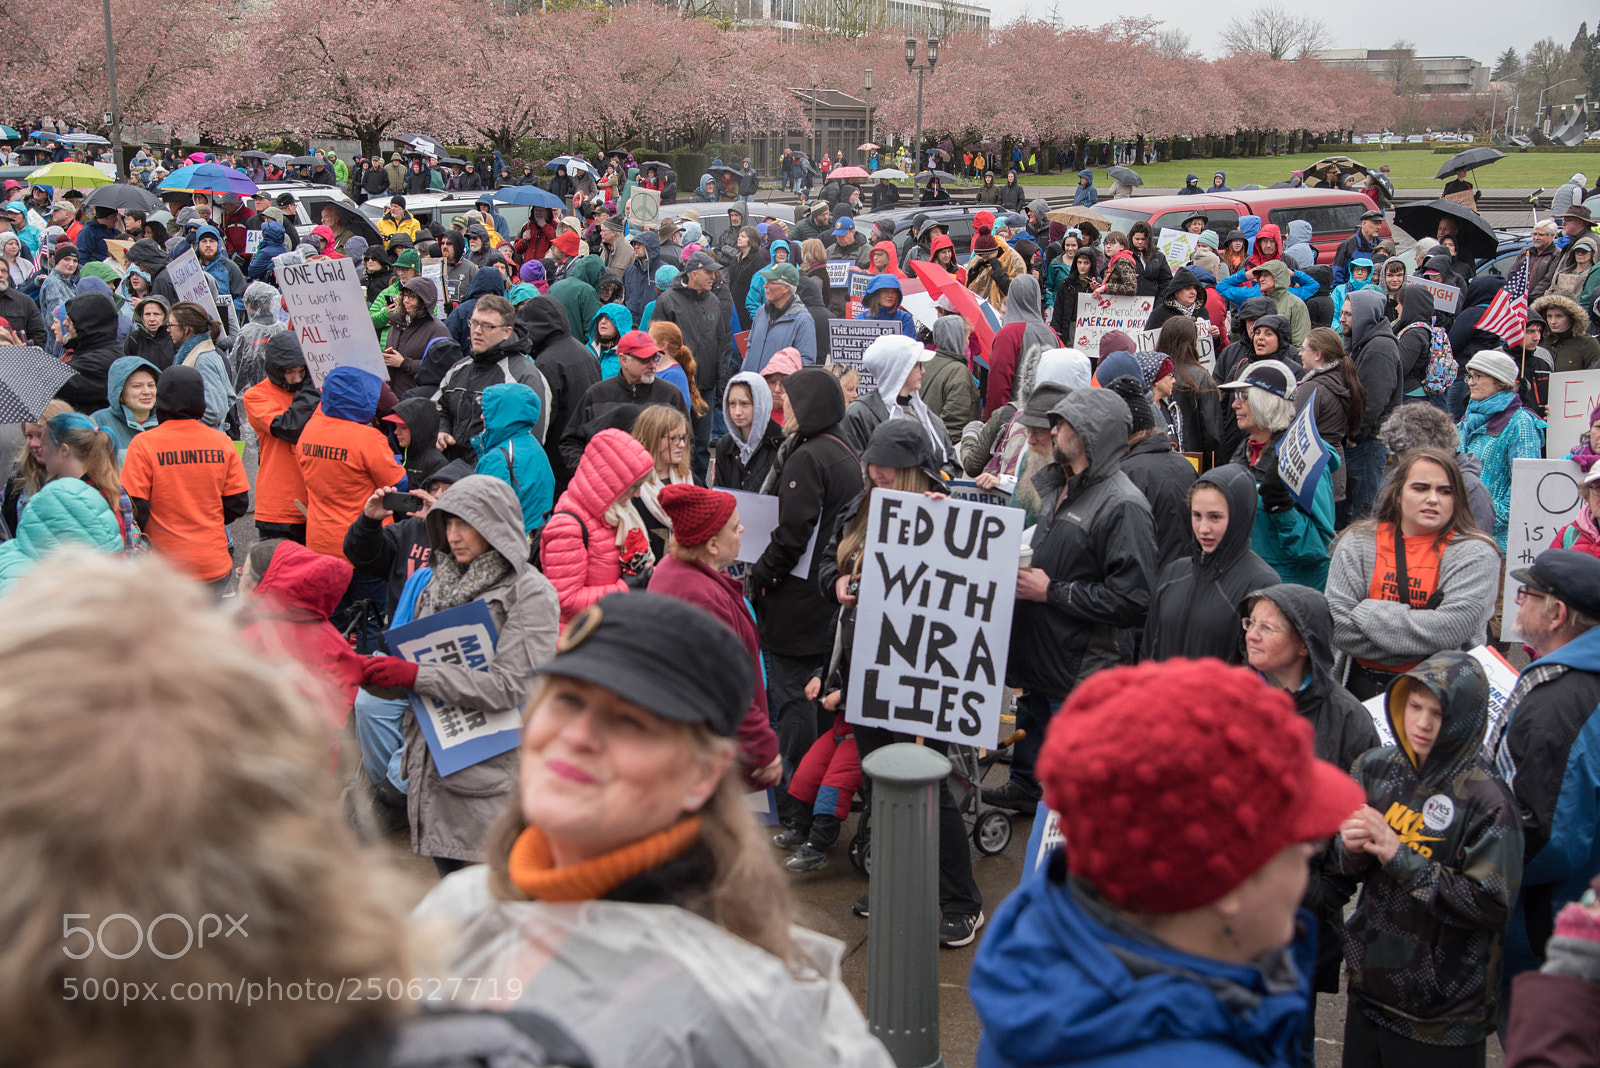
column 1098, row 316
column 1573, row 395
column 758, row 512
column 189, row 281
column 1177, row 246
column 644, row 205
column 1502, row 677
column 252, row 242
column 1302, row 454
column 968, row 490
column 839, row 271
column 1544, row 498
column 933, row 619
column 330, row 314
column 433, row 271
column 1205, row 345
column 849, row 338
column 1445, row 298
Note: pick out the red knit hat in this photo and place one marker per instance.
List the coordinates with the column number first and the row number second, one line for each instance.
column 1178, row 780
column 697, row 513
column 567, row 243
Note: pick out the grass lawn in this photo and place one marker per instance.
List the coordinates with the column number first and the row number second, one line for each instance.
column 1408, row 170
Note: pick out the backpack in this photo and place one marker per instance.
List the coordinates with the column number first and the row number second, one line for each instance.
column 1441, row 372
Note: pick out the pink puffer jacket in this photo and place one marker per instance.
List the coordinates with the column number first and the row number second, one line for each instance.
column 578, row 548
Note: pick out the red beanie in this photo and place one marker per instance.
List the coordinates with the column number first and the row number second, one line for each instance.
column 1115, row 341
column 567, row 243
column 1178, row 780
column 697, row 513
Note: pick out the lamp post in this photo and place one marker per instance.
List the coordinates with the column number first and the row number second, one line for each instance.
column 868, row 138
column 816, row 134
column 111, row 84
column 913, row 67
column 1539, row 116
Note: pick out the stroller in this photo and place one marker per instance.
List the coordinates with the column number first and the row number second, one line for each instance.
column 990, row 827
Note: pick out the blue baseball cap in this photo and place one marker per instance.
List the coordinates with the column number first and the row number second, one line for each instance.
column 845, row 225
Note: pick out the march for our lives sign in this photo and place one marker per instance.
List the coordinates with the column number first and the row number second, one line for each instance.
column 457, row 737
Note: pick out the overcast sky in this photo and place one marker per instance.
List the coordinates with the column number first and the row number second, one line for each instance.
column 1481, row 29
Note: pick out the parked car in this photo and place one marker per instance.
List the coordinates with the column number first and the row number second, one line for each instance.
column 444, row 207
column 714, row 216
column 308, row 199
column 1333, row 214
column 955, row 218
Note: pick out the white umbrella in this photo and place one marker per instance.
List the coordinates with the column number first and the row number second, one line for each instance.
column 892, row 173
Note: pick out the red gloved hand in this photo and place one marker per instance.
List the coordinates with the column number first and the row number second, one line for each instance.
column 389, row 671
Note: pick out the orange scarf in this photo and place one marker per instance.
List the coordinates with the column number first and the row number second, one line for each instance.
column 533, row 870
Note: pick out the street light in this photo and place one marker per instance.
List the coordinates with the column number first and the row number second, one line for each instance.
column 913, row 67
column 111, row 84
column 868, row 138
column 1540, row 112
column 816, row 135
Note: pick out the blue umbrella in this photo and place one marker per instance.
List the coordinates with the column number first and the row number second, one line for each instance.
column 208, row 178
column 530, row 196
column 40, row 135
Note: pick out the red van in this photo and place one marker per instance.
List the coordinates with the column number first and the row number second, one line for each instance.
column 1333, row 214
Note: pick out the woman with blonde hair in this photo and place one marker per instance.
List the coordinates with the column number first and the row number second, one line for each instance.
column 677, row 365
column 628, row 892
column 664, row 432
column 184, row 787
column 28, row 474
column 76, row 448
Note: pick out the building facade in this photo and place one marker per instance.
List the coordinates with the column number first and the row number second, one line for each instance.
column 1434, row 74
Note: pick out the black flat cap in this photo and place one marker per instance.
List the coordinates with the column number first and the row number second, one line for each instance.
column 662, row 654
column 1572, row 576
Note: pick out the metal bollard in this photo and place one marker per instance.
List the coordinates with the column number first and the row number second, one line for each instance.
column 903, row 924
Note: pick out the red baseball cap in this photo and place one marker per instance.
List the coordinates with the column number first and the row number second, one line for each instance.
column 638, row 344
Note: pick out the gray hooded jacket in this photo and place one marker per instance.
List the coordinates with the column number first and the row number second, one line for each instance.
column 1377, row 354
column 450, row 816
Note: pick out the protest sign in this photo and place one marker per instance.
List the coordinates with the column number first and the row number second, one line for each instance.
column 1098, row 316
column 330, row 314
column 252, row 242
column 966, row 489
column 856, row 291
column 839, row 272
column 1205, row 345
column 1467, row 198
column 1302, row 454
column 759, row 514
column 189, row 282
column 457, row 737
column 644, row 206
column 933, row 619
column 1445, row 298
column 1043, row 838
column 433, row 271
column 1502, row 677
column 1573, row 395
column 1177, row 246
column 849, row 338
column 424, row 146
column 1544, row 498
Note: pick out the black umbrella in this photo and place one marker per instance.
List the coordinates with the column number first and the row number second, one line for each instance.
column 720, row 169
column 452, row 161
column 123, row 198
column 254, row 153
column 661, row 168
column 1480, row 156
column 1125, row 175
column 1474, row 236
column 304, row 161
column 29, row 378
column 943, row 176
column 357, row 223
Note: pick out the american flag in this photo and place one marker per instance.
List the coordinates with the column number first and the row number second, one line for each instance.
column 1507, row 314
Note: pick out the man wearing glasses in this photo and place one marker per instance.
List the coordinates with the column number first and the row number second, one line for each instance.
column 634, row 383
column 498, row 356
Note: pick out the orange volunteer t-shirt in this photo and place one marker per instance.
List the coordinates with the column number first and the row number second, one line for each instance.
column 184, row 469
column 342, row 463
column 279, row 482
column 1424, row 553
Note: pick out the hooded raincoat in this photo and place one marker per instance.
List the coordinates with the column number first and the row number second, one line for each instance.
column 1022, row 336
column 508, row 450
column 890, row 363
column 578, row 547
column 577, row 293
column 451, row 815
column 1424, row 944
column 1194, row 609
column 117, row 418
column 743, row 459
column 67, row 511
